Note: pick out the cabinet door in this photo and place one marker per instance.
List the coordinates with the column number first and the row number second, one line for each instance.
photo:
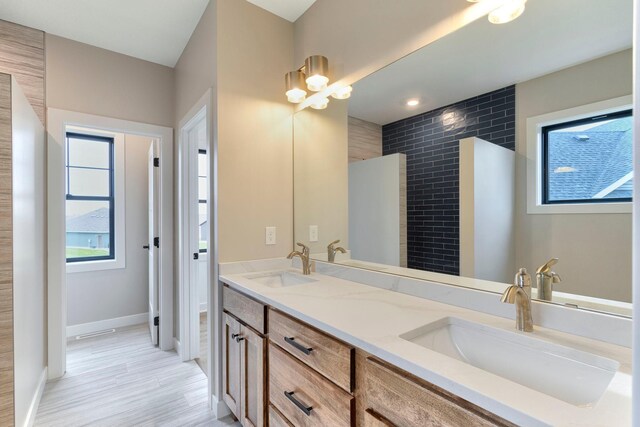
column 252, row 371
column 231, row 364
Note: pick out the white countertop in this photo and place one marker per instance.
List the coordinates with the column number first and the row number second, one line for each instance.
column 372, row 319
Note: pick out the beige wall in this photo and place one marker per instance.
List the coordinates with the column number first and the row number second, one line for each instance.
column 594, row 249
column 361, row 36
column 195, row 71
column 91, row 80
column 321, row 185
column 255, row 175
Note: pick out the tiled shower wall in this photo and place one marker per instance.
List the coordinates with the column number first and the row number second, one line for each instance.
column 430, row 141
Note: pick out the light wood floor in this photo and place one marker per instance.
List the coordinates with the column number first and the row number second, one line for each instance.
column 122, row 380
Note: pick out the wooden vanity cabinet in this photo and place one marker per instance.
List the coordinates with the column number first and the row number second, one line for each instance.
column 244, row 362
column 388, row 397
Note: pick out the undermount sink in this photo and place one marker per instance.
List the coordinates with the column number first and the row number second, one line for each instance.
column 574, row 376
column 280, row 279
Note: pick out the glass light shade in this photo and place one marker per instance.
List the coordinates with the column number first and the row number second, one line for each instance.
column 320, row 104
column 317, row 83
column 295, row 86
column 316, row 67
column 342, row 93
column 507, row 12
column 296, row 96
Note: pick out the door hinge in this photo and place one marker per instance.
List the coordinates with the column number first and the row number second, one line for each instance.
column 156, row 242
column 156, row 321
column 156, row 162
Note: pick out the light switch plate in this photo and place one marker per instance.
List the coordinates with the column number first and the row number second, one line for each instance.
column 270, row 236
column 313, row 233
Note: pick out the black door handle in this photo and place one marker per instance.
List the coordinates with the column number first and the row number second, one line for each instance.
column 145, row 247
column 196, row 255
column 303, row 408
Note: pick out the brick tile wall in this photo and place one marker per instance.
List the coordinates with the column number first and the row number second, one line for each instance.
column 430, row 141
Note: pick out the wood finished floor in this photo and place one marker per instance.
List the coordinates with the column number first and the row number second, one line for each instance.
column 122, row 380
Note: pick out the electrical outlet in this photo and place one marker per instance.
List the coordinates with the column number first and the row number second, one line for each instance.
column 313, row 233
column 270, row 236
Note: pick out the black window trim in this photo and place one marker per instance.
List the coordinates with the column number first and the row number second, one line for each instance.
column 110, row 198
column 545, row 157
column 202, row 251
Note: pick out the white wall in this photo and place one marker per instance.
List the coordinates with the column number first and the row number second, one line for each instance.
column 375, row 199
column 29, row 255
column 487, row 217
column 107, row 294
column 603, row 238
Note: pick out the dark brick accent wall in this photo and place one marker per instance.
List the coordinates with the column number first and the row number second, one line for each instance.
column 430, row 141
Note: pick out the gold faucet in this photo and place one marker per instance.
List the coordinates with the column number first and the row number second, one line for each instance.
column 545, row 279
column 517, row 294
column 304, row 257
column 331, row 250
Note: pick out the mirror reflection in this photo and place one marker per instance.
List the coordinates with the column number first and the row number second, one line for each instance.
column 495, row 148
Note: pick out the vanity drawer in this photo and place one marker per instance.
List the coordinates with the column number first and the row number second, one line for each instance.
column 303, row 396
column 396, row 398
column 276, row 419
column 325, row 354
column 249, row 311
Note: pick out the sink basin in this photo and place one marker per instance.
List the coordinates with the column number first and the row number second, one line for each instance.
column 280, row 279
column 574, row 376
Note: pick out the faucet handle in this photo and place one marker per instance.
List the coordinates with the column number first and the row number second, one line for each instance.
column 335, row 242
column 546, row 268
column 305, row 248
column 522, row 279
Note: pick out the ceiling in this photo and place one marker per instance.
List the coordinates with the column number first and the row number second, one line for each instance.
column 551, row 35
column 287, row 9
column 152, row 30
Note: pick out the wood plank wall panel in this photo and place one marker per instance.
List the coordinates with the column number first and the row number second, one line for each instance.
column 6, row 257
column 22, row 55
column 365, row 140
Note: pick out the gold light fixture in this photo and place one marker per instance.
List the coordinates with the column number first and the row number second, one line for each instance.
column 313, row 76
column 342, row 93
column 507, row 12
column 510, row 10
column 295, row 84
column 320, row 104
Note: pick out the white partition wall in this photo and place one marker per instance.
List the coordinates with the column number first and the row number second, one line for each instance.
column 487, row 217
column 377, row 210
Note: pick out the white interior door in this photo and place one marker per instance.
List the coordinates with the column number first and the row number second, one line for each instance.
column 152, row 245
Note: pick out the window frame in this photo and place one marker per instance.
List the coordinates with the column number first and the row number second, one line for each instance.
column 111, row 198
column 545, row 130
column 532, row 149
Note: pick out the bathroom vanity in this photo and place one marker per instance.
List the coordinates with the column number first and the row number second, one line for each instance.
column 321, row 350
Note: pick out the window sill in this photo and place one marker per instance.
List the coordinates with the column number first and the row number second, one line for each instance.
column 586, row 208
column 87, row 266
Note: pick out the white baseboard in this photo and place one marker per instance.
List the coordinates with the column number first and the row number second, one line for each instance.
column 101, row 325
column 177, row 346
column 219, row 408
column 35, row 401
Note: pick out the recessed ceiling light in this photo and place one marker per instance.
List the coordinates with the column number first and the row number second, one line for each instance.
column 413, row 102
column 507, row 12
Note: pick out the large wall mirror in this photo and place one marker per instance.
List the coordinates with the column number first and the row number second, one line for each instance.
column 494, row 148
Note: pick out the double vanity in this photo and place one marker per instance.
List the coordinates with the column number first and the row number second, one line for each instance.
column 344, row 346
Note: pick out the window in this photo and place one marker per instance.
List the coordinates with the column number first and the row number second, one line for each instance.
column 588, row 160
column 203, row 224
column 89, row 198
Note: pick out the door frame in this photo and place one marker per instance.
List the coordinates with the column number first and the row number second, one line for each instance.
column 57, row 120
column 214, row 296
column 188, row 277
